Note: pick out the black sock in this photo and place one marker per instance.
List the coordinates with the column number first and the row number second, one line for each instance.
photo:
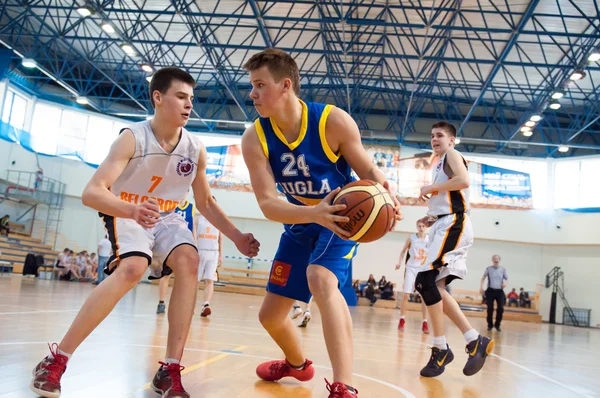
column 298, row 367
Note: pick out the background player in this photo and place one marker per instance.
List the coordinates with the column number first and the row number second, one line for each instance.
column 451, row 236
column 186, row 210
column 210, row 248
column 309, row 149
column 306, row 316
column 416, row 250
column 136, row 195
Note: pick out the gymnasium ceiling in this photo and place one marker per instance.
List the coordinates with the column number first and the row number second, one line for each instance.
column 396, row 66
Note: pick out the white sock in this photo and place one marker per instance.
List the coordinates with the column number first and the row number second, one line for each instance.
column 471, row 335
column 440, row 342
column 401, row 316
column 424, row 320
column 61, row 352
column 206, row 304
column 169, row 361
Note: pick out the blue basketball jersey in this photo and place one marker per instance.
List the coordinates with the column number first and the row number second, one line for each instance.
column 187, row 211
column 305, row 170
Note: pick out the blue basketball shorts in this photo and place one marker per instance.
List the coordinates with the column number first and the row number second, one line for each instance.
column 302, row 245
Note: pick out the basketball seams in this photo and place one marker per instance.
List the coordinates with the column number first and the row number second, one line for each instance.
column 388, row 222
column 374, row 211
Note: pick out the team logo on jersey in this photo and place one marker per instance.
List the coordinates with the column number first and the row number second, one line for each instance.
column 439, row 166
column 185, row 167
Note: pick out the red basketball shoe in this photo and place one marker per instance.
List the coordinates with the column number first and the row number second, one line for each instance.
column 340, row 390
column 47, row 374
column 275, row 370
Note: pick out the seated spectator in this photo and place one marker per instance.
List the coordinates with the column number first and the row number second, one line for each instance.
column 61, row 262
column 371, row 281
column 370, row 289
column 83, row 265
column 387, row 293
column 382, row 283
column 513, row 298
column 4, row 225
column 356, row 287
column 524, row 300
column 93, row 262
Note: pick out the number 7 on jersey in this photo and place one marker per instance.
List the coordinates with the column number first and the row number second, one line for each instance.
column 155, row 181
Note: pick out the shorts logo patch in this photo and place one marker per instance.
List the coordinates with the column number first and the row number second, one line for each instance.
column 280, row 272
column 185, row 167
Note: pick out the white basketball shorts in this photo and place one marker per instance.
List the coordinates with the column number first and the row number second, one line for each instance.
column 449, row 240
column 410, row 275
column 207, row 269
column 129, row 239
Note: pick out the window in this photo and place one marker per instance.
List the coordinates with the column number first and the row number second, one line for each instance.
column 100, row 135
column 589, row 190
column 15, row 108
column 45, row 128
column 73, row 128
column 566, row 184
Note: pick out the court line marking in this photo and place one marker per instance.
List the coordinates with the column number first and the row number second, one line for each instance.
column 525, row 368
column 35, row 312
column 222, row 355
column 404, row 392
column 198, row 365
column 366, row 377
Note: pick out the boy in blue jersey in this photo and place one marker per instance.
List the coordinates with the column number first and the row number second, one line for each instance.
column 186, row 210
column 309, row 150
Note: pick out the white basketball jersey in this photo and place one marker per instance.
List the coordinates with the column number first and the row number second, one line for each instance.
column 447, row 202
column 417, row 251
column 208, row 235
column 154, row 173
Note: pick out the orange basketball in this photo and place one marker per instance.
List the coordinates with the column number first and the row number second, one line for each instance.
column 370, row 208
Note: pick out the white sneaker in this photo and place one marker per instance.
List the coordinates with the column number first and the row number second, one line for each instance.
column 297, row 312
column 305, row 320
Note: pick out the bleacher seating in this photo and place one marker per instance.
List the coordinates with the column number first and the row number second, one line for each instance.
column 17, row 229
column 15, row 248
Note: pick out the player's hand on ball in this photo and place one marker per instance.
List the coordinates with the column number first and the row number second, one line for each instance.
column 324, row 214
column 147, row 213
column 397, row 211
column 247, row 245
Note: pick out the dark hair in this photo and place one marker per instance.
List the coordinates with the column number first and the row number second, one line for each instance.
column 449, row 128
column 163, row 78
column 279, row 63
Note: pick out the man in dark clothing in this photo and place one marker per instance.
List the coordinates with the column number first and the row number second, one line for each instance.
column 497, row 280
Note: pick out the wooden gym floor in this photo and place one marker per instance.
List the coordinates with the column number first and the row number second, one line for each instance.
column 120, row 358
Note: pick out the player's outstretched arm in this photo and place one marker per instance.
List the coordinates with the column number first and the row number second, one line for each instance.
column 98, row 196
column 275, row 209
column 342, row 132
column 245, row 242
column 459, row 180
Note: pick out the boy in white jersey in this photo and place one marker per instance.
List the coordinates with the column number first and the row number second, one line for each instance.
column 146, row 174
column 451, row 235
column 210, row 248
column 416, row 246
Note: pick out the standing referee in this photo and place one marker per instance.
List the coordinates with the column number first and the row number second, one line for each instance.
column 497, row 281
